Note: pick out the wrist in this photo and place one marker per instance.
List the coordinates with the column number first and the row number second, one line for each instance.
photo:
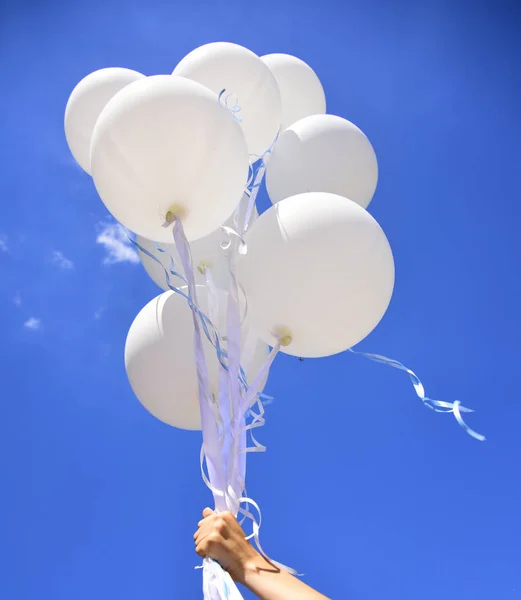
column 253, row 568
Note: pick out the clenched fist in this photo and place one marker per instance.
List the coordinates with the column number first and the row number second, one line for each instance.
column 219, row 536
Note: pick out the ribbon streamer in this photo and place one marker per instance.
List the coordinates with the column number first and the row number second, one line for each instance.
column 209, row 329
column 257, row 175
column 214, row 338
column 223, row 450
column 437, row 405
column 215, row 580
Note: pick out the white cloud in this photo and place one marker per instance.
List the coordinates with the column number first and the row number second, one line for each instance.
column 58, row 258
column 99, row 313
column 113, row 237
column 33, row 323
column 17, row 300
column 3, row 244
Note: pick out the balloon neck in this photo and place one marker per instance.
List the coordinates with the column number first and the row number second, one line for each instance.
column 203, row 265
column 284, row 336
column 176, row 211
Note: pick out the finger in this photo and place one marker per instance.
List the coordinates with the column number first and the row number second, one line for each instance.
column 201, row 534
column 208, row 518
column 201, row 550
column 206, row 522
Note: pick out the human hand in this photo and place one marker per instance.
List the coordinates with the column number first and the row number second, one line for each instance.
column 219, row 536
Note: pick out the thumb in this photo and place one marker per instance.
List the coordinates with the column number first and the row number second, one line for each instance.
column 207, row 512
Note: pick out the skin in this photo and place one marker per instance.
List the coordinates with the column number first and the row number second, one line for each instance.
column 219, row 536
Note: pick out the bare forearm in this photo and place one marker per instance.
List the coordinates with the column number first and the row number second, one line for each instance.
column 219, row 536
column 268, row 582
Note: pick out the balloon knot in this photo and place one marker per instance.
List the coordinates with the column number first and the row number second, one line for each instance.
column 285, row 340
column 203, row 265
column 176, row 211
column 283, row 335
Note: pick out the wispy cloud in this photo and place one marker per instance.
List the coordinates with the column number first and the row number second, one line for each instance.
column 113, row 237
column 17, row 300
column 33, row 323
column 99, row 313
column 3, row 244
column 58, row 258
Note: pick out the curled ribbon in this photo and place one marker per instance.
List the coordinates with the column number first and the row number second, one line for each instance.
column 256, row 524
column 242, row 249
column 437, row 405
column 235, row 109
column 254, row 183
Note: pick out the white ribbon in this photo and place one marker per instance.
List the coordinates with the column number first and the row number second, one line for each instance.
column 437, row 405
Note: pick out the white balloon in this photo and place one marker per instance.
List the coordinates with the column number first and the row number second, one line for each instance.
column 159, row 358
column 85, row 104
column 164, row 145
column 206, row 252
column 323, row 153
column 319, row 274
column 301, row 92
column 241, row 73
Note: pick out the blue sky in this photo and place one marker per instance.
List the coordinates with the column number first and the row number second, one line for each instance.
column 362, row 488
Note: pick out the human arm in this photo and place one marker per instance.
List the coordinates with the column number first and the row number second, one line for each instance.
column 219, row 536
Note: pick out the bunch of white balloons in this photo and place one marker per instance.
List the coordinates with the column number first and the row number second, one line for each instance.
column 318, row 273
column 178, row 160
